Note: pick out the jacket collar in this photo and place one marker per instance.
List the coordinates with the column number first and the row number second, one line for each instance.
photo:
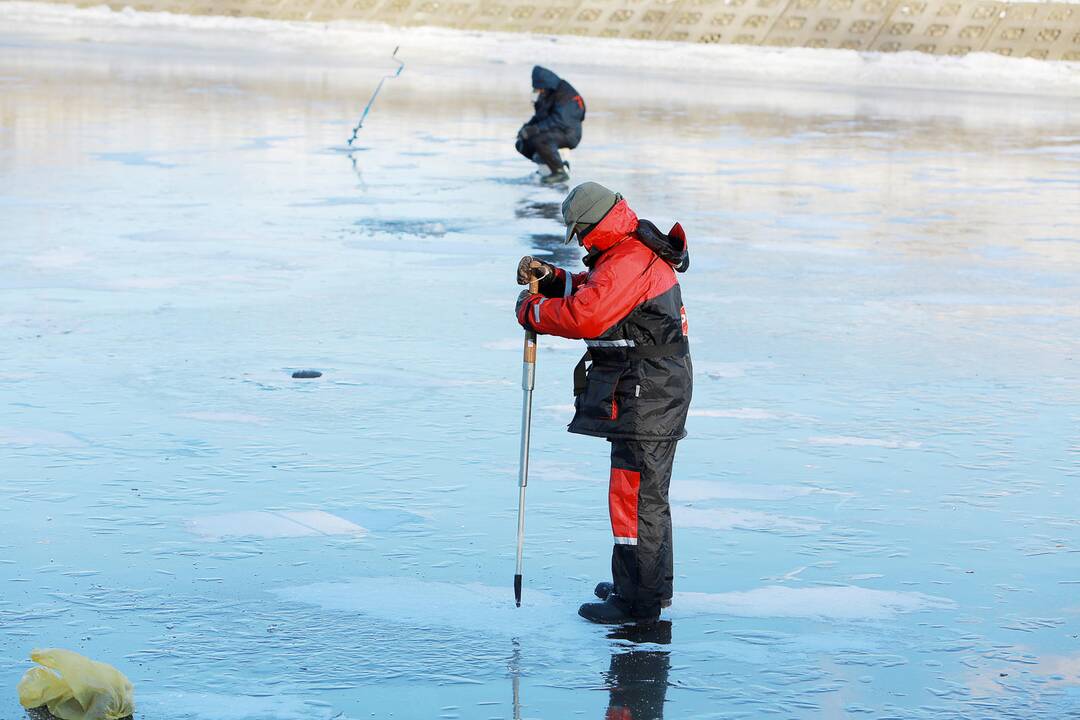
column 619, row 222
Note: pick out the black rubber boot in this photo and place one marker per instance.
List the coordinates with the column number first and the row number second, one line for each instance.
column 604, row 589
column 556, row 177
column 610, row 613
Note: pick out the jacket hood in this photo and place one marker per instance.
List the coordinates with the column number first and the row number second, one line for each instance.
column 670, row 248
column 544, row 79
column 619, row 222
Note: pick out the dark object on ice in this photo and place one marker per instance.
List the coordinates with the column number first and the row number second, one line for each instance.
column 634, row 384
column 603, row 589
column 556, row 122
column 306, row 374
column 367, row 108
column 614, row 611
column 559, row 176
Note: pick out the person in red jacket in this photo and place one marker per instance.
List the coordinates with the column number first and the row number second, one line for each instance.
column 634, row 384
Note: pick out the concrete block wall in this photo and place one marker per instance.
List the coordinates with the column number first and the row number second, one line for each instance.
column 1046, row 31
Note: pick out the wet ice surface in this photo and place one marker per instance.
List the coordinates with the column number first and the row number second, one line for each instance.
column 876, row 511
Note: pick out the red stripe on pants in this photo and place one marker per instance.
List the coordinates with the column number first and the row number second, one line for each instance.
column 623, row 502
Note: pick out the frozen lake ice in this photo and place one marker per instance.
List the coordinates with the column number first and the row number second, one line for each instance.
column 876, row 508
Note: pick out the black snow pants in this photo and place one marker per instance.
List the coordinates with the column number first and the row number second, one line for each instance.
column 642, row 564
column 544, row 147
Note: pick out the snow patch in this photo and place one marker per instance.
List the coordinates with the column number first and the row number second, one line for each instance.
column 848, row 602
column 558, row 409
column 737, row 414
column 979, row 72
column 409, row 601
column 30, row 437
column 728, row 370
column 58, row 258
column 470, row 606
column 732, row 519
column 146, row 283
column 547, row 342
column 210, row 706
column 697, row 490
column 267, row 525
column 226, row 417
column 847, row 440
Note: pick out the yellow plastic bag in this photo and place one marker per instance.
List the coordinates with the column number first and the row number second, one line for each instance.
column 83, row 690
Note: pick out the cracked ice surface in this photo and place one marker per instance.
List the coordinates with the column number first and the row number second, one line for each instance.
column 875, row 509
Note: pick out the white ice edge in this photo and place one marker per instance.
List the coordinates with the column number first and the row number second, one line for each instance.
column 491, row 609
column 977, row 72
column 233, row 706
column 269, row 525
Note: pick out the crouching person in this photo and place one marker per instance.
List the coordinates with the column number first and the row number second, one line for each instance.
column 556, row 123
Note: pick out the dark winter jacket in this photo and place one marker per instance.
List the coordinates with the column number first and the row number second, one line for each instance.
column 558, row 109
column 629, row 309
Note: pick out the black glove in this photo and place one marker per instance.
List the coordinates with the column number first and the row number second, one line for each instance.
column 522, row 297
column 526, row 132
column 525, row 271
column 521, row 308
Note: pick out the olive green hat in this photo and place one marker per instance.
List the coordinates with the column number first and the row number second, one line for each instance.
column 587, row 204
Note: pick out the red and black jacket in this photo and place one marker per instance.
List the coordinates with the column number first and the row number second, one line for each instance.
column 628, row 308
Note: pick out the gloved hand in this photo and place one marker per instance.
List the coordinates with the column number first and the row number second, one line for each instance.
column 526, row 132
column 522, row 307
column 523, row 298
column 525, row 271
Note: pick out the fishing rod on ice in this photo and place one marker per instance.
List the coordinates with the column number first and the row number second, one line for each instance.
column 367, row 108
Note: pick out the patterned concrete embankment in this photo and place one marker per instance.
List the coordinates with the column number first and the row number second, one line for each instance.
column 1046, row 31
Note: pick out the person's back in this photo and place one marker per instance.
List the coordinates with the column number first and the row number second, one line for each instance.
column 559, row 107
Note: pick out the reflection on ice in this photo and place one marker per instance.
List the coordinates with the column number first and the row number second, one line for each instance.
column 637, row 679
